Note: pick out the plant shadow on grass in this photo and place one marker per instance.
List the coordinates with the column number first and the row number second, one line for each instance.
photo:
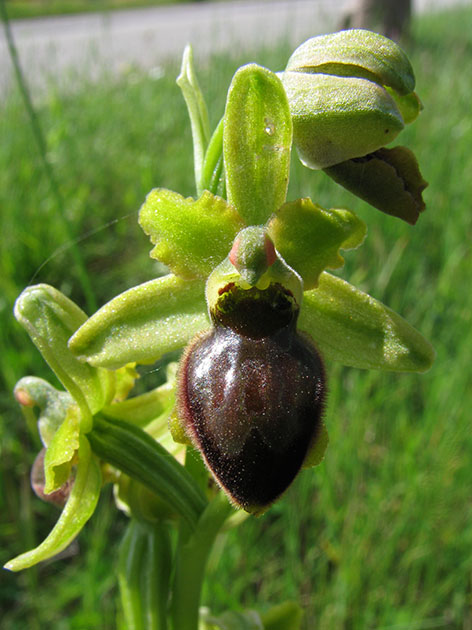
column 381, row 533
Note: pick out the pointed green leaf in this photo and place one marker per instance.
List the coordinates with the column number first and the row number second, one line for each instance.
column 197, row 110
column 143, row 323
column 78, row 509
column 388, row 179
column 257, row 143
column 356, row 52
column 138, row 455
column 349, row 326
column 50, row 318
column 190, row 237
column 61, row 452
column 308, row 237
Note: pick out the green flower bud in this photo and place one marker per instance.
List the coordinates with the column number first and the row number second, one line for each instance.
column 350, row 93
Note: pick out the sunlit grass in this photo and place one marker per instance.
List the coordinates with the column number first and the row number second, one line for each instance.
column 380, row 535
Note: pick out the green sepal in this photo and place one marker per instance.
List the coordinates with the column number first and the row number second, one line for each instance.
column 143, row 323
column 62, row 451
column 50, row 318
column 337, row 118
column 350, row 326
column 138, row 455
column 53, row 404
column 356, row 53
column 388, row 179
column 197, row 110
column 78, row 509
column 309, row 238
column 257, row 143
column 190, row 237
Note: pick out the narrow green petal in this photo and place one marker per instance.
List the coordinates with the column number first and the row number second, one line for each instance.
column 309, row 238
column 50, row 318
column 353, row 328
column 78, row 509
column 356, row 52
column 190, row 237
column 143, row 323
column 257, row 142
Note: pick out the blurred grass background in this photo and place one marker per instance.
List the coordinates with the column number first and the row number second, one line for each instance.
column 40, row 8
column 380, row 535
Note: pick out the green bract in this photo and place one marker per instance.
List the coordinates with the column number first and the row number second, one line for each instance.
column 347, row 92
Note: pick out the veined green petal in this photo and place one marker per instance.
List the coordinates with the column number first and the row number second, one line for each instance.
column 356, row 52
column 349, row 326
column 309, row 238
column 257, row 142
column 143, row 323
column 50, row 318
column 78, row 509
column 61, row 452
column 190, row 237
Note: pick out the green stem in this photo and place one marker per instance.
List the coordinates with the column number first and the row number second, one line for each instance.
column 192, row 555
column 48, row 169
column 144, row 575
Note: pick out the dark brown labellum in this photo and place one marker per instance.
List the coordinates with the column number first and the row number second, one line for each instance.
column 252, row 402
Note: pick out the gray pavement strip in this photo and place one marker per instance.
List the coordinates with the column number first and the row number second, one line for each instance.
column 61, row 50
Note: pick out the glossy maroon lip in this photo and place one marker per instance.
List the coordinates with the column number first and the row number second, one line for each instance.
column 252, row 403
